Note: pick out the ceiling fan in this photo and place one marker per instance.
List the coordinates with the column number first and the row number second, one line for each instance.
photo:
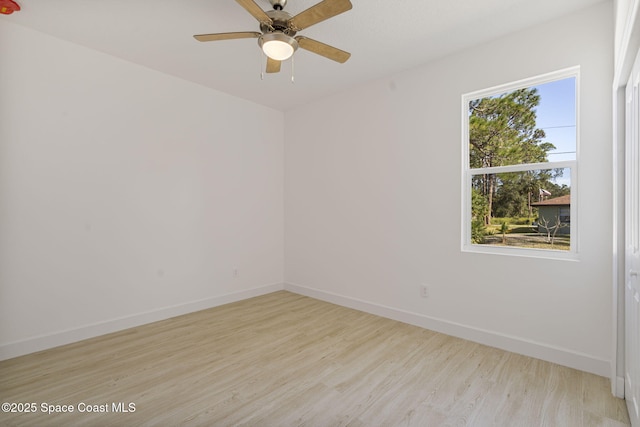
column 278, row 38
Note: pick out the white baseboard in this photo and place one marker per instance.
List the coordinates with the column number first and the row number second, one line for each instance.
column 619, row 387
column 44, row 342
column 561, row 356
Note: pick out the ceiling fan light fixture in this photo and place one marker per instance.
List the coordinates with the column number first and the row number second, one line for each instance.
column 278, row 46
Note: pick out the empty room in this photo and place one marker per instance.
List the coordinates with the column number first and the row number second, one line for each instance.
column 320, row 213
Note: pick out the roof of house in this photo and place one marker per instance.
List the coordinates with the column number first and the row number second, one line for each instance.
column 556, row 201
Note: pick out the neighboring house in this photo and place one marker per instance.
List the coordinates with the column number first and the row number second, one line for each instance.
column 549, row 211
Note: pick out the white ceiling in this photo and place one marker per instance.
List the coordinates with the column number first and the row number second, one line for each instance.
column 383, row 37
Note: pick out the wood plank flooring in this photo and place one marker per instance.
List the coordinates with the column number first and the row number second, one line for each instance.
column 287, row 360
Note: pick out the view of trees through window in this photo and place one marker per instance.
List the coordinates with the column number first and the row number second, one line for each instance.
column 522, row 149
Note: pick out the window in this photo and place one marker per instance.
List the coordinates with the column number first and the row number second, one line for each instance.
column 520, row 148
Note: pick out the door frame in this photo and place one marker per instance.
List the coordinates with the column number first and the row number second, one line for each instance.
column 627, row 48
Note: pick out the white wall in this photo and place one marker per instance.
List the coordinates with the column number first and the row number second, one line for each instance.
column 627, row 37
column 622, row 9
column 373, row 204
column 126, row 195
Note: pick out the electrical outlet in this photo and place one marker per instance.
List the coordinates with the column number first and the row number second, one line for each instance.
column 424, row 291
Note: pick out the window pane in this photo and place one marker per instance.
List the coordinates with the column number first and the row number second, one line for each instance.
column 527, row 209
column 530, row 125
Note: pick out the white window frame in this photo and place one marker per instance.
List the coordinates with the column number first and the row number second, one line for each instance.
column 468, row 172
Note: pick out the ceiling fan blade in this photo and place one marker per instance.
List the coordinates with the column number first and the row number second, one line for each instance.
column 273, row 65
column 227, row 36
column 322, row 49
column 255, row 10
column 324, row 10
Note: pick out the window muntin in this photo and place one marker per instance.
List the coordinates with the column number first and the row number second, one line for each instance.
column 520, row 148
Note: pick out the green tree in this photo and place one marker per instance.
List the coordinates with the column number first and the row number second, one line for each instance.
column 502, row 131
column 504, row 229
column 479, row 208
column 517, row 190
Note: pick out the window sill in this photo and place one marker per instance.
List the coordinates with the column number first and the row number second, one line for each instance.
column 522, row 252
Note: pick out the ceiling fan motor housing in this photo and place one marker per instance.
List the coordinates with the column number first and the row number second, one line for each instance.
column 280, row 23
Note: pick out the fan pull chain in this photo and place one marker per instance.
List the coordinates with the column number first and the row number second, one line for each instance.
column 261, row 57
column 293, row 79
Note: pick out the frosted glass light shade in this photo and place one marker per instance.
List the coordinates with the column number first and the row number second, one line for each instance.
column 278, row 46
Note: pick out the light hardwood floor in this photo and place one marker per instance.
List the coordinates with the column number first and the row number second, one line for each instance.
column 287, row 360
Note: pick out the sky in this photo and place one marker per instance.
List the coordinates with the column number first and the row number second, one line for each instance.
column 556, row 115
